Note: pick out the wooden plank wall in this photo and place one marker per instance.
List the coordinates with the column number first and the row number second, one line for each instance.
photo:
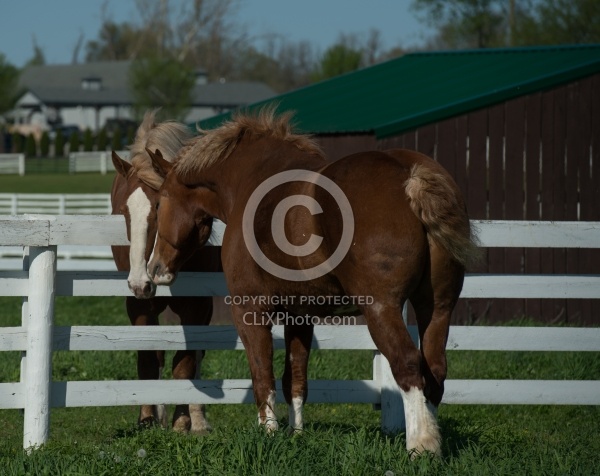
column 532, row 158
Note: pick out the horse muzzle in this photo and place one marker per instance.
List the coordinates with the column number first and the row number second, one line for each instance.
column 145, row 290
column 160, row 274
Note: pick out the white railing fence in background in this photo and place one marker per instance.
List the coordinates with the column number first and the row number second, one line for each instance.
column 99, row 161
column 55, row 203
column 37, row 338
column 12, row 164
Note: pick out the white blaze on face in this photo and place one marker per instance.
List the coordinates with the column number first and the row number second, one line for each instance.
column 139, row 208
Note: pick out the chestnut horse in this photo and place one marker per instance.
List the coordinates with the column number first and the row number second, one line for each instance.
column 397, row 217
column 135, row 194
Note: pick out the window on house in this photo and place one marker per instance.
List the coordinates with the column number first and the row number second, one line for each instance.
column 91, row 84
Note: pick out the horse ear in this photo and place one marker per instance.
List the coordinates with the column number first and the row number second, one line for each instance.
column 161, row 166
column 121, row 166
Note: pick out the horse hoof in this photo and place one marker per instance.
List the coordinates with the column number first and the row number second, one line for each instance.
column 427, row 446
column 182, row 424
column 147, row 422
column 201, row 431
column 294, row 431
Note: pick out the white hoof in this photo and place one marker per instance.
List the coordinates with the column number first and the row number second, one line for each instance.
column 422, row 432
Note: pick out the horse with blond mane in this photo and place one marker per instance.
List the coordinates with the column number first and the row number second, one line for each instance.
column 135, row 195
column 388, row 225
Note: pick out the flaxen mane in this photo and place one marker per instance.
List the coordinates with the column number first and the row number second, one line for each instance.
column 169, row 137
column 214, row 145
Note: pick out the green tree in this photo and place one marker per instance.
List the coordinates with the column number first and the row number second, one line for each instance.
column 117, row 42
column 30, row 146
column 88, row 140
column 466, row 23
column 116, row 142
column 59, row 144
column 491, row 23
column 102, row 139
column 560, row 22
column 338, row 59
column 74, row 142
column 17, row 143
column 9, row 85
column 45, row 144
column 165, row 83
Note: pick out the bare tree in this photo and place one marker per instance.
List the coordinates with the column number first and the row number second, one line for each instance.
column 77, row 48
column 199, row 33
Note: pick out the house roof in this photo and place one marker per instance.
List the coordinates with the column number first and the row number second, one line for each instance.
column 420, row 88
column 61, row 85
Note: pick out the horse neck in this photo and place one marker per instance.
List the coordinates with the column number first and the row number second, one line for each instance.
column 249, row 165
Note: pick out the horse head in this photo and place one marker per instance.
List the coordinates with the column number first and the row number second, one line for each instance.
column 139, row 210
column 183, row 224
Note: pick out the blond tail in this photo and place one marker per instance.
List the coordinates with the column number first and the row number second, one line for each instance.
column 437, row 203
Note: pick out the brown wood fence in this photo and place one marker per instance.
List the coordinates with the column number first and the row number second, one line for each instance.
column 536, row 157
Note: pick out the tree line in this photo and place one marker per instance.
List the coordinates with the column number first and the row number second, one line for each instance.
column 59, row 144
column 168, row 42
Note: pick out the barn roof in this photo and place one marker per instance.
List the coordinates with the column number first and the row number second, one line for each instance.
column 420, row 88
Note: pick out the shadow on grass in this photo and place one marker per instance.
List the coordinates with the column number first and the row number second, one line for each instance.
column 135, row 430
column 459, row 435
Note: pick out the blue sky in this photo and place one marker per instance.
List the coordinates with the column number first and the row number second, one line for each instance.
column 56, row 24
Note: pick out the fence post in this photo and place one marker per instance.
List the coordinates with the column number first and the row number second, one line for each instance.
column 72, row 164
column 62, row 204
column 21, row 164
column 103, row 160
column 24, row 316
column 38, row 372
column 392, row 407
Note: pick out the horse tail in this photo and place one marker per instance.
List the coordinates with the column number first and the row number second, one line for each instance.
column 436, row 201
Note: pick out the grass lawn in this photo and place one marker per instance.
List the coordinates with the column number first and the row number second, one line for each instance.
column 57, row 183
column 339, row 439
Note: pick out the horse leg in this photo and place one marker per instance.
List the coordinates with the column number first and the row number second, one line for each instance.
column 298, row 339
column 150, row 363
column 391, row 337
column 187, row 363
column 258, row 342
column 434, row 302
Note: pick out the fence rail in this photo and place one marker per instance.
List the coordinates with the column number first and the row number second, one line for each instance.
column 12, row 164
column 55, row 203
column 99, row 161
column 37, row 338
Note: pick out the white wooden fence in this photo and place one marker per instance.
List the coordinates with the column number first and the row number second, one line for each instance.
column 55, row 203
column 99, row 161
column 37, row 337
column 12, row 164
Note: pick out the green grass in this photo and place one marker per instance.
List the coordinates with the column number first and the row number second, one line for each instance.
column 57, row 183
column 339, row 439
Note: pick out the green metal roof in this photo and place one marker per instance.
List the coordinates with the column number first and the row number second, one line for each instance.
column 420, row 88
